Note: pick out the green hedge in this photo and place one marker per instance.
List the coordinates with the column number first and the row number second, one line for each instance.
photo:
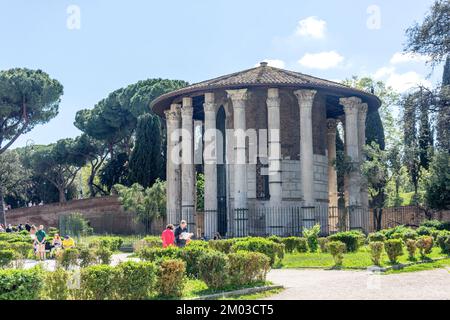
column 352, row 239
column 112, row 243
column 222, row 245
column 135, row 280
column 214, row 268
column 292, row 244
column 98, row 283
column 170, row 280
column 18, row 284
column 246, row 267
column 443, row 241
column 272, row 249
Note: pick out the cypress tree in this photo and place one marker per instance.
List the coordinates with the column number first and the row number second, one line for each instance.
column 145, row 160
column 443, row 118
column 375, row 130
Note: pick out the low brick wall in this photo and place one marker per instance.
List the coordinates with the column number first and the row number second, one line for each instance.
column 105, row 215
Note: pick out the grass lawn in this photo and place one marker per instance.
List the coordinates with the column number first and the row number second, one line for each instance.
column 445, row 263
column 254, row 296
column 195, row 288
column 353, row 260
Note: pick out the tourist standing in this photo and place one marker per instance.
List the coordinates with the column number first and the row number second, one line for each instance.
column 40, row 239
column 168, row 237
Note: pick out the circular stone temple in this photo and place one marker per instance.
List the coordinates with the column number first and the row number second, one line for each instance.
column 265, row 139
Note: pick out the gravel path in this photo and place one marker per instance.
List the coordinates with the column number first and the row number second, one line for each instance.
column 347, row 285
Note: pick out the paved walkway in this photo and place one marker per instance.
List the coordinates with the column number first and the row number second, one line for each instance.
column 309, row 284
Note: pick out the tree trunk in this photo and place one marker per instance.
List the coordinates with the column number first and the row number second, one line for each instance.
column 62, row 195
column 2, row 210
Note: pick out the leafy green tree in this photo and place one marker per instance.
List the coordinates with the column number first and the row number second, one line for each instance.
column 200, row 184
column 147, row 203
column 432, row 36
column 115, row 171
column 438, row 183
column 145, row 161
column 27, row 98
column 58, row 163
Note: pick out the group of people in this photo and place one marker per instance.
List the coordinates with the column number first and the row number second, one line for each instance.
column 178, row 236
column 10, row 228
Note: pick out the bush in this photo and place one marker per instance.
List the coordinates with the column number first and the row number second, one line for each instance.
column 111, row 243
column 323, row 244
column 6, row 258
column 147, row 242
column 213, row 269
column 292, row 244
column 135, row 280
column 425, row 245
column 75, row 225
column 399, row 232
column 22, row 249
column 443, row 241
column 55, row 285
column 50, row 232
column 337, row 249
column 269, row 248
column 247, row 267
column 394, row 249
column 411, row 247
column 376, row 250
column 67, row 258
column 434, row 224
column 201, row 244
column 104, row 255
column 98, row 283
column 87, row 257
column 376, row 237
column 155, row 254
column 351, row 239
column 311, row 235
column 222, row 245
column 191, row 256
column 425, row 231
column 276, row 239
column 170, row 280
column 18, row 284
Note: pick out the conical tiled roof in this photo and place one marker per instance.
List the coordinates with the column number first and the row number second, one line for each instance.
column 263, row 75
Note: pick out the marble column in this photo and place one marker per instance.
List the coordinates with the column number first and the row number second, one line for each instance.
column 273, row 123
column 187, row 166
column 238, row 99
column 351, row 107
column 210, row 165
column 362, row 115
column 332, row 174
column 305, row 101
column 173, row 169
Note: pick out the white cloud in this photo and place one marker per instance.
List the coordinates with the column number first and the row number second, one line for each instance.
column 321, row 60
column 274, row 63
column 401, row 82
column 402, row 57
column 311, row 27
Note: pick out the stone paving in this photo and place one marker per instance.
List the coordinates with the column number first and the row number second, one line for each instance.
column 308, row 284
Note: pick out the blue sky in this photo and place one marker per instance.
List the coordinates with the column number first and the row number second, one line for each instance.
column 121, row 42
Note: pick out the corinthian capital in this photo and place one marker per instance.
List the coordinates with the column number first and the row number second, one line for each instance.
column 273, row 99
column 237, row 95
column 173, row 113
column 363, row 112
column 331, row 125
column 210, row 104
column 351, row 104
column 187, row 110
column 305, row 97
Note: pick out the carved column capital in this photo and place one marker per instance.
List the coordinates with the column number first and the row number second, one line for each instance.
column 187, row 110
column 362, row 115
column 351, row 104
column 273, row 99
column 237, row 95
column 331, row 125
column 305, row 97
column 210, row 105
column 173, row 114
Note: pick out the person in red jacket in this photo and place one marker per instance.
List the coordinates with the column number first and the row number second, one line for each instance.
column 168, row 238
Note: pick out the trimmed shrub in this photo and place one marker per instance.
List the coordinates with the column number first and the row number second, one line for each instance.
column 247, row 267
column 292, row 244
column 376, row 237
column 67, row 258
column 269, row 248
column 276, row 239
column 155, row 254
column 311, row 235
column 411, row 247
column 213, row 268
column 170, row 280
column 104, row 255
column 337, row 249
column 323, row 244
column 351, row 239
column 98, row 283
column 22, row 249
column 376, row 250
column 135, row 280
column 443, row 241
column 6, row 258
column 147, row 242
column 55, row 285
column 198, row 244
column 425, row 245
column 222, row 245
column 87, row 257
column 18, row 284
column 191, row 256
column 399, row 232
column 425, row 231
column 435, row 224
column 111, row 243
column 394, row 249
